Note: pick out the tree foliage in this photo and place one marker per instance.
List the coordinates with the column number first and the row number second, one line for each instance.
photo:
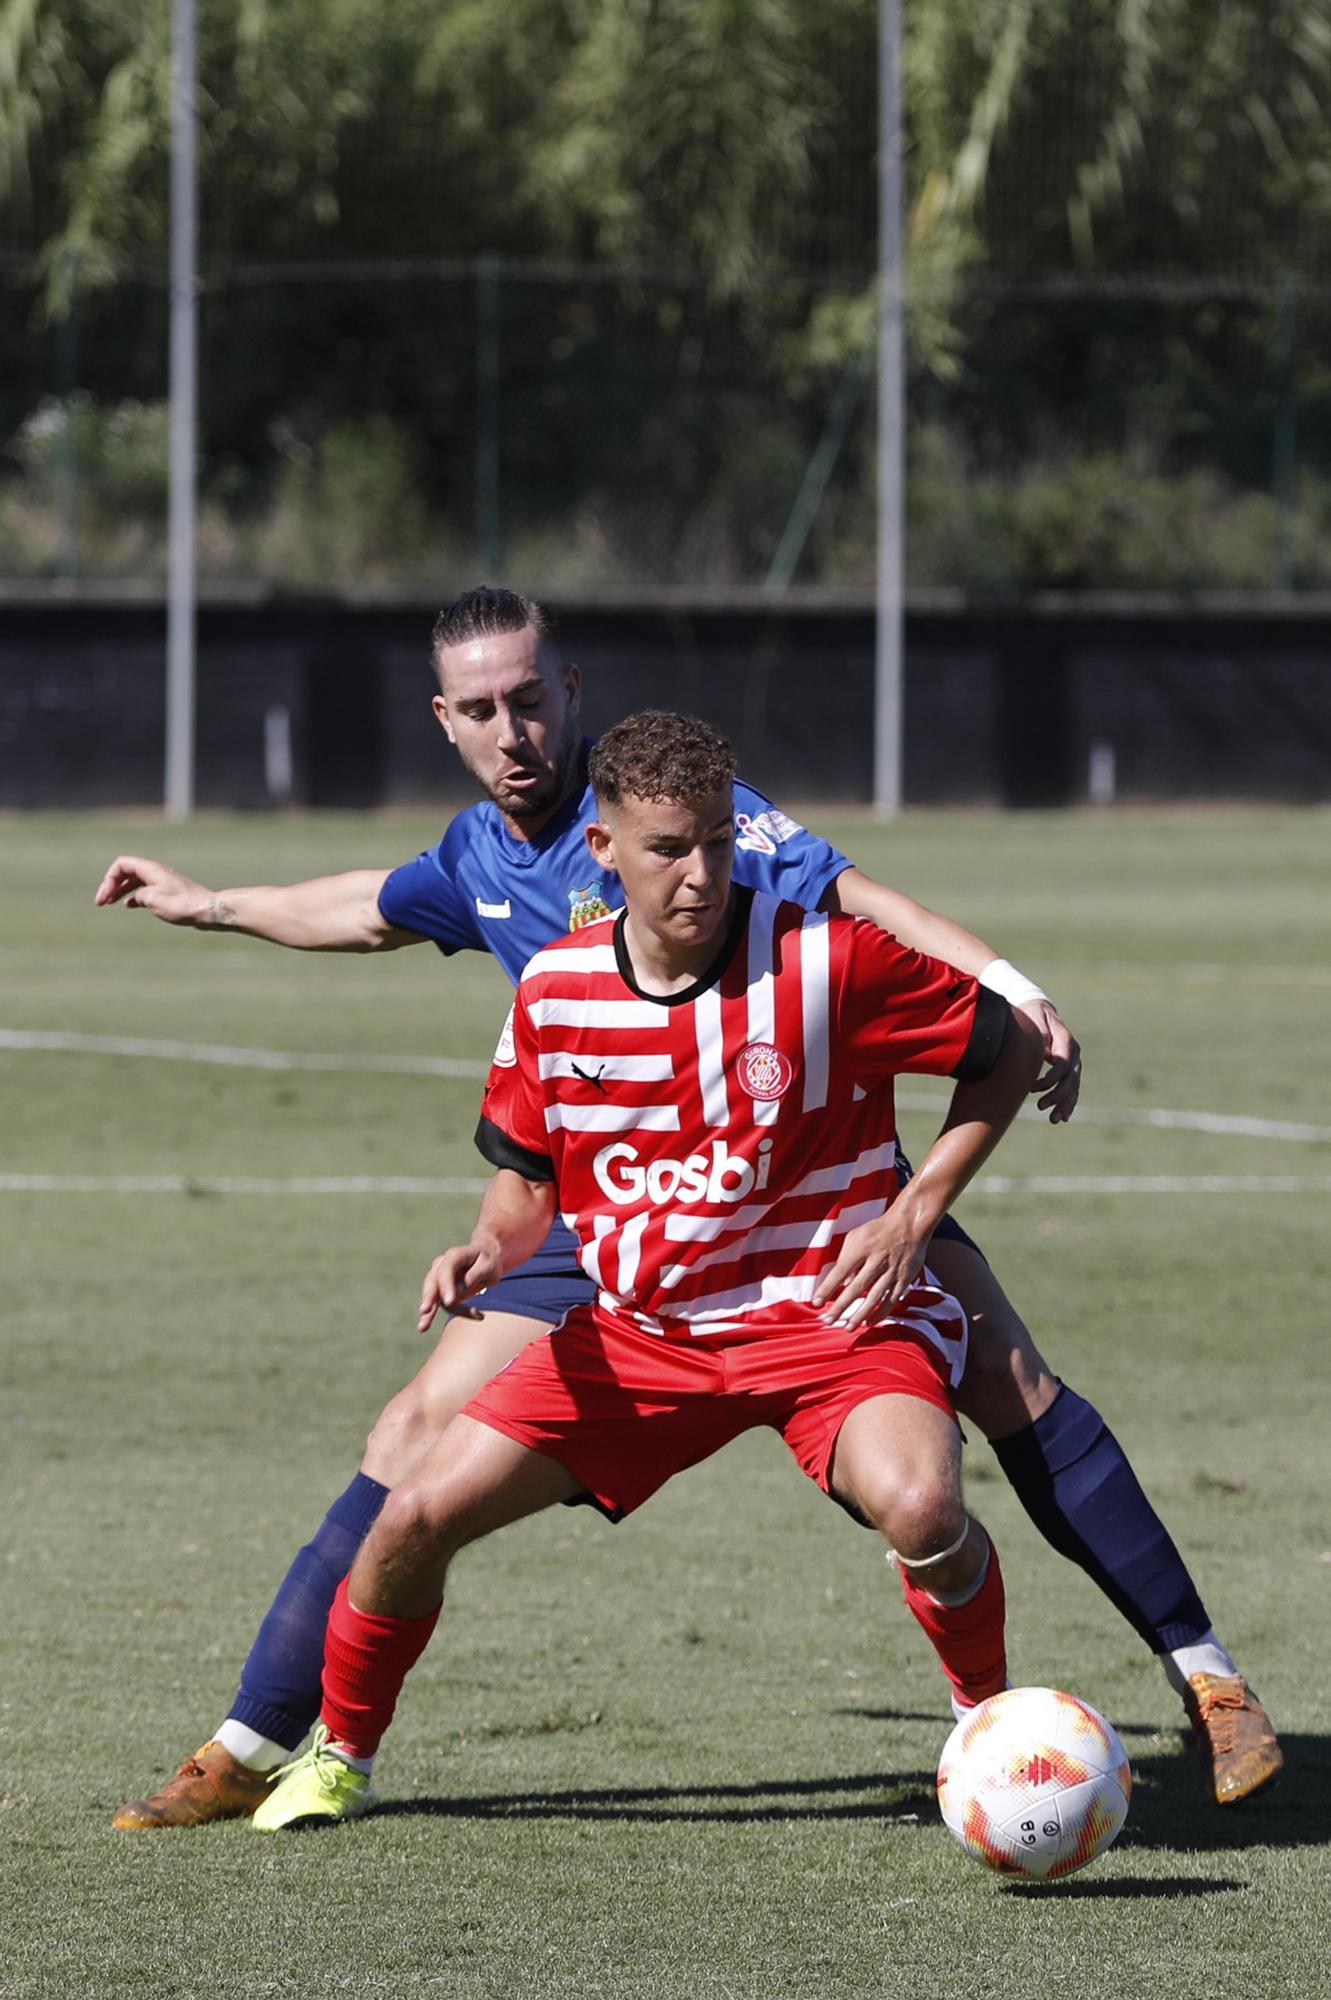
column 705, row 134
column 718, row 156
column 675, row 133
column 1123, row 133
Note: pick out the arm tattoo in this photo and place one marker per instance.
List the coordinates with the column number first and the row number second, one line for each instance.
column 220, row 917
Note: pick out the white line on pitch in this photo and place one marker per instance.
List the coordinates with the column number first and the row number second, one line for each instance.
column 1226, row 1124
column 407, row 1184
column 1227, row 975
column 232, row 1184
column 65, row 1042
column 1152, row 1184
column 1205, row 1121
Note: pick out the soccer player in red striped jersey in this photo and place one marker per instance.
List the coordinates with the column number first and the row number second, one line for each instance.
column 702, row 1209
column 703, row 1086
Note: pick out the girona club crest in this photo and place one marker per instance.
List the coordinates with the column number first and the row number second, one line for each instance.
column 764, row 1072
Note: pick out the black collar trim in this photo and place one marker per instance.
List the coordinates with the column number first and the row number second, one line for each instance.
column 715, row 971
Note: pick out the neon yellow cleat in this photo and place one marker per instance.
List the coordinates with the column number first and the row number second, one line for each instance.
column 316, row 1789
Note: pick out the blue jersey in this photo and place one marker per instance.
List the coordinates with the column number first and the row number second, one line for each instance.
column 482, row 889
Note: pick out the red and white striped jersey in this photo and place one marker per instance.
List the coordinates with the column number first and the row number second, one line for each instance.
column 710, row 1148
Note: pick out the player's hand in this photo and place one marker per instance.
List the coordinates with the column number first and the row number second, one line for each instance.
column 142, row 884
column 456, row 1276
column 878, row 1264
column 1059, row 1081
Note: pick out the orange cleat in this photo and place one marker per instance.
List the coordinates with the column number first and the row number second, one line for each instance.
column 212, row 1784
column 1236, row 1743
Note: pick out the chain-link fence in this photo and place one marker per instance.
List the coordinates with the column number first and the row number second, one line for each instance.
column 580, row 297
column 598, row 431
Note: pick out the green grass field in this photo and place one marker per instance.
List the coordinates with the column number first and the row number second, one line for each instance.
column 690, row 1757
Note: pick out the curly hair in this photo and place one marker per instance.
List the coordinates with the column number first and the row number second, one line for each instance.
column 657, row 754
column 485, row 612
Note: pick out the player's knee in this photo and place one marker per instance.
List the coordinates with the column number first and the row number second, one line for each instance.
column 418, row 1523
column 918, row 1512
column 400, row 1435
column 926, row 1519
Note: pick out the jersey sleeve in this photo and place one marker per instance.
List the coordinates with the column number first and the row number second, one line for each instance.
column 775, row 853
column 512, row 1130
column 901, row 1013
column 423, row 896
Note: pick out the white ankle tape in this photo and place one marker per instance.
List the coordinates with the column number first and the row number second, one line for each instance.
column 895, row 1561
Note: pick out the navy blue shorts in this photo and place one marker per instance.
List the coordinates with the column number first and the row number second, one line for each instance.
column 550, row 1284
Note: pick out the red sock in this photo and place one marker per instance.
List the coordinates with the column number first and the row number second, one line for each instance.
column 968, row 1638
column 366, row 1660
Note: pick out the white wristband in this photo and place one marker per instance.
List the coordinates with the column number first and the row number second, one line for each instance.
column 1001, row 977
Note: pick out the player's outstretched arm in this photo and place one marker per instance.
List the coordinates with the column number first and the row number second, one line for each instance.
column 514, row 1220
column 880, row 1260
column 329, row 913
column 855, row 894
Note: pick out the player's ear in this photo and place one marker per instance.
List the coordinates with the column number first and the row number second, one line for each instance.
column 602, row 844
column 573, row 687
column 440, row 707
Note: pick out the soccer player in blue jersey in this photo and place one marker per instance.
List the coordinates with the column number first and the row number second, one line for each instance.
column 507, row 876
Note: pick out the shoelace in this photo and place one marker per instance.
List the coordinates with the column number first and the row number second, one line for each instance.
column 320, row 1759
column 1225, row 1696
column 325, row 1766
column 194, row 1768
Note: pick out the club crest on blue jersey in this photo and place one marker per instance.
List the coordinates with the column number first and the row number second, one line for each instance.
column 587, row 906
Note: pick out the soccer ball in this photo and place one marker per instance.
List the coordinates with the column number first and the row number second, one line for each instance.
column 1034, row 1783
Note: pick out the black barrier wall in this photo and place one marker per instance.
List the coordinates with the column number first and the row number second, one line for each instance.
column 317, row 702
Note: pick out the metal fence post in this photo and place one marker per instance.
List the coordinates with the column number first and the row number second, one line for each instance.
column 1284, row 433
column 887, row 760
column 180, row 592
column 67, row 391
column 489, row 495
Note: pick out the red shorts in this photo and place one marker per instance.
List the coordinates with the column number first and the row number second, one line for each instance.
column 625, row 1410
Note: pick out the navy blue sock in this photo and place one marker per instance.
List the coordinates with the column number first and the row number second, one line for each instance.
column 280, row 1681
column 1072, row 1476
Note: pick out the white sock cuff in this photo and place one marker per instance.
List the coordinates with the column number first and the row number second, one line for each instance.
column 1207, row 1656
column 255, row 1752
column 344, row 1756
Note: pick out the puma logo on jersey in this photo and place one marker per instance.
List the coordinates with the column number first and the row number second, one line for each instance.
column 595, row 1081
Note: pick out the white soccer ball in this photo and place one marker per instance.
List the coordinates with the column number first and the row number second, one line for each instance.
column 1034, row 1783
